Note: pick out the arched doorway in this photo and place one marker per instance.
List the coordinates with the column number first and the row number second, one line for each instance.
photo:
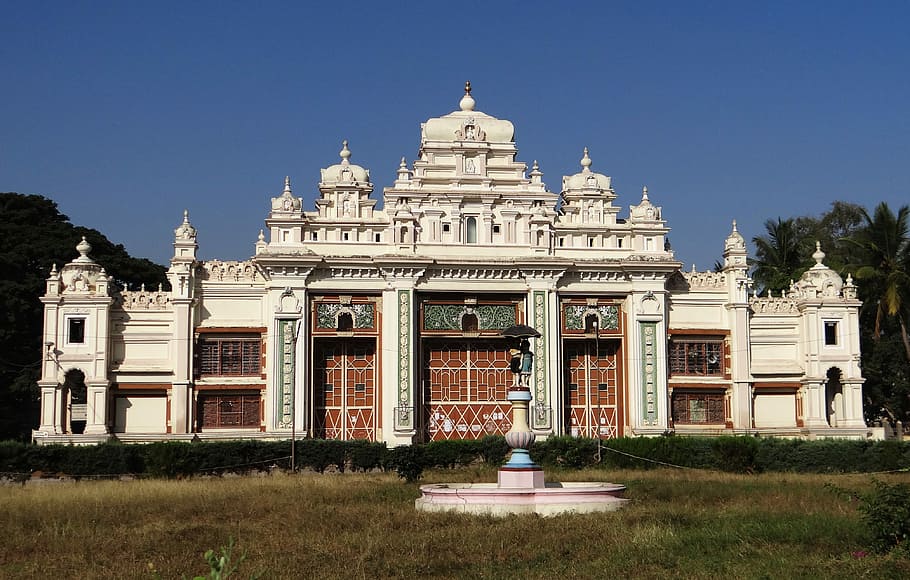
column 834, row 397
column 75, row 394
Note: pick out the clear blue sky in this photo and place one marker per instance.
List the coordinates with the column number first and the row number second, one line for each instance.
column 125, row 113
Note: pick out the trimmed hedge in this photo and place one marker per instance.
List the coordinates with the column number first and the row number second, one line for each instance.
column 183, row 459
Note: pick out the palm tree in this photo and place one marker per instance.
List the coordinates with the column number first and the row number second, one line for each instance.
column 779, row 255
column 883, row 269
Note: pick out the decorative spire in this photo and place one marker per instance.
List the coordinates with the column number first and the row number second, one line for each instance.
column 345, row 153
column 403, row 173
column 467, row 101
column 586, row 162
column 536, row 173
column 734, row 225
column 287, row 184
column 261, row 236
column 644, row 193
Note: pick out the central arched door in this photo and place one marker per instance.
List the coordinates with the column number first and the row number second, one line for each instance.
column 344, row 401
column 593, row 405
column 465, row 386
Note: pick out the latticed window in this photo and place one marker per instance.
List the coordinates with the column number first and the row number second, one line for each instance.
column 230, row 356
column 696, row 357
column 229, row 410
column 698, row 408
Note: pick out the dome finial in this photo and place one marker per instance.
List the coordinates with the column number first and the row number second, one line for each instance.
column 644, row 193
column 734, row 225
column 586, row 162
column 467, row 101
column 287, row 184
column 819, row 255
column 83, row 248
column 345, row 153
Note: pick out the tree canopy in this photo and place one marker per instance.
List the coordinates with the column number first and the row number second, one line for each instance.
column 36, row 236
column 875, row 249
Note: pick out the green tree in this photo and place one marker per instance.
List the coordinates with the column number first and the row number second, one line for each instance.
column 883, row 269
column 834, row 229
column 879, row 256
column 35, row 236
column 780, row 255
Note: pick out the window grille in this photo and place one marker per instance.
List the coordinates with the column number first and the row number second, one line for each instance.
column 230, row 357
column 229, row 410
column 698, row 408
column 696, row 357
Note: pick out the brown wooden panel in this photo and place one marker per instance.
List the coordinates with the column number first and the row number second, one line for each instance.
column 229, row 410
column 344, row 385
column 466, row 381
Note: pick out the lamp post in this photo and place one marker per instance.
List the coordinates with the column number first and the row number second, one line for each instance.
column 294, row 401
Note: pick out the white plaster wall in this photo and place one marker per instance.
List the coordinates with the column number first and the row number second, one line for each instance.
column 232, row 308
column 775, row 410
column 136, row 414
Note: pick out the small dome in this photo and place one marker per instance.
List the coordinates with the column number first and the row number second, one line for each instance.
column 735, row 240
column 185, row 231
column 586, row 179
column 819, row 281
column 345, row 172
column 286, row 201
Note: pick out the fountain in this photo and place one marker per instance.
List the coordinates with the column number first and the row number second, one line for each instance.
column 520, row 486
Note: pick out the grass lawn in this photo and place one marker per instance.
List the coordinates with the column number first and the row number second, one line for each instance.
column 680, row 524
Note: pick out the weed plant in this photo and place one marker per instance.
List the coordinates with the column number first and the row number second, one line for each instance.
column 679, row 524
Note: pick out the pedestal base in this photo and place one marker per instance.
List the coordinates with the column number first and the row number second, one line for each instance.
column 525, row 478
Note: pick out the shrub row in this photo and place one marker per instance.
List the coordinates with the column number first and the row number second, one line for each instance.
column 178, row 459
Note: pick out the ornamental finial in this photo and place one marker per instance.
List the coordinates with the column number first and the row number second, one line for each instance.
column 345, row 153
column 819, row 255
column 586, row 162
column 467, row 101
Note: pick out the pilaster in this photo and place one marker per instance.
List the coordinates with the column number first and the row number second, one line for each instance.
column 648, row 408
column 399, row 385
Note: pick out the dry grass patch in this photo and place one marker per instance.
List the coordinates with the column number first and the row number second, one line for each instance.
column 680, row 524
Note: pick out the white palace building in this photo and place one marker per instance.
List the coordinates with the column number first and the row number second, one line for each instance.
column 352, row 322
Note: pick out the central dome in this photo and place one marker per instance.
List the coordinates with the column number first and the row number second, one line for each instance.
column 466, row 124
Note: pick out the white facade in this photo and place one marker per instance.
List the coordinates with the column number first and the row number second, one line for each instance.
column 355, row 322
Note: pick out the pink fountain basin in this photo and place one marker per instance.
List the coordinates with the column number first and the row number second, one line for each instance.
column 494, row 499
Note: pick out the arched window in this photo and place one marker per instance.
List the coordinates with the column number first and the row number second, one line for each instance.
column 471, row 230
column 345, row 322
column 591, row 323
column 469, row 322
